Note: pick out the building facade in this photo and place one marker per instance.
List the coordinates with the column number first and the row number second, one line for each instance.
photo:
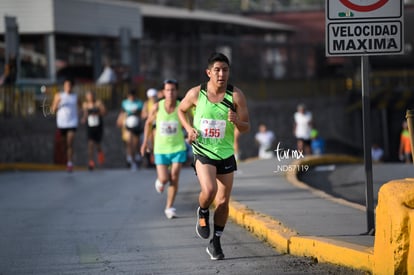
column 60, row 38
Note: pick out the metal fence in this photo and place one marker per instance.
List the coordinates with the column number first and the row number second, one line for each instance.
column 27, row 100
column 17, row 102
column 30, row 100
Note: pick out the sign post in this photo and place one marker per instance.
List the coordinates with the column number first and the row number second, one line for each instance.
column 364, row 28
column 366, row 122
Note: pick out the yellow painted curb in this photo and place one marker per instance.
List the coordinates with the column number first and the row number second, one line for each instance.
column 333, row 251
column 286, row 240
column 264, row 227
column 324, row 249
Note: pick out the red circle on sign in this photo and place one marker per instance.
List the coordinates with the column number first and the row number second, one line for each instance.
column 362, row 8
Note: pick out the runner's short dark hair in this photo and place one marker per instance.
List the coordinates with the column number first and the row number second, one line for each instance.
column 217, row 57
column 171, row 81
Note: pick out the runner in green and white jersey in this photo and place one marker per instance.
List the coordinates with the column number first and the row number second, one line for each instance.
column 219, row 109
column 169, row 145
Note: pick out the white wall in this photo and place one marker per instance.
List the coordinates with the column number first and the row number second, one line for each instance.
column 33, row 16
column 95, row 17
column 71, row 16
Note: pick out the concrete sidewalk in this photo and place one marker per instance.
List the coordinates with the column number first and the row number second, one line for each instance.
column 299, row 220
column 289, row 215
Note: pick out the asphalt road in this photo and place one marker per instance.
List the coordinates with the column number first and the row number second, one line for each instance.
column 112, row 222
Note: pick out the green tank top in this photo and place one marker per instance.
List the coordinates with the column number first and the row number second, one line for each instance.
column 169, row 136
column 216, row 133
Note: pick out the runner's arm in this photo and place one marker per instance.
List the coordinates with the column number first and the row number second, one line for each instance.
column 240, row 118
column 84, row 112
column 148, row 128
column 102, row 108
column 189, row 101
column 55, row 103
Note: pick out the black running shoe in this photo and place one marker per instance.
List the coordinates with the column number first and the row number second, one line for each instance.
column 203, row 226
column 214, row 249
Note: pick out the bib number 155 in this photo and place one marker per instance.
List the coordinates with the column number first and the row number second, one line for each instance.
column 211, row 128
column 212, row 132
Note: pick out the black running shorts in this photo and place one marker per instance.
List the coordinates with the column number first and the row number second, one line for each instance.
column 224, row 166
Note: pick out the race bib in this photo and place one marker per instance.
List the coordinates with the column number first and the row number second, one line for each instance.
column 212, row 128
column 168, row 128
column 132, row 121
column 93, row 120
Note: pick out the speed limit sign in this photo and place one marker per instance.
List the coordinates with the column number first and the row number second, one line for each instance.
column 364, row 27
column 362, row 9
